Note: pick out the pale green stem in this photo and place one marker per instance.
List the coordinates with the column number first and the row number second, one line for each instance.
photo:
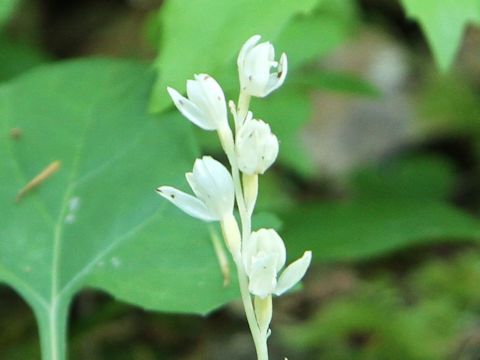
column 245, row 217
column 259, row 340
column 227, row 141
column 53, row 330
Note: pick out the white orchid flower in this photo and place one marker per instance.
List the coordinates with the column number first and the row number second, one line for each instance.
column 256, row 147
column 205, row 105
column 213, row 186
column 254, row 64
column 264, row 255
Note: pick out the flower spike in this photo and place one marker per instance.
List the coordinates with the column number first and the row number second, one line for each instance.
column 251, row 149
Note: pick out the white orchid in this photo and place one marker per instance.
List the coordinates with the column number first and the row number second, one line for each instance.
column 254, row 67
column 256, row 147
column 213, row 186
column 205, row 105
column 259, row 256
column 264, row 255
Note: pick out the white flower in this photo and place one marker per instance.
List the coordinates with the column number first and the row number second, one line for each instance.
column 213, row 186
column 205, row 106
column 264, row 255
column 254, row 64
column 256, row 147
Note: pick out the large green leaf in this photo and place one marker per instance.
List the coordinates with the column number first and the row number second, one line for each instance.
column 205, row 35
column 97, row 222
column 392, row 209
column 443, row 23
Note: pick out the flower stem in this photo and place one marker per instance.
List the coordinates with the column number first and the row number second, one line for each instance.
column 228, row 144
column 258, row 339
column 245, row 218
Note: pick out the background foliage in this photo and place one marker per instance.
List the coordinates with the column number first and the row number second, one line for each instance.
column 378, row 174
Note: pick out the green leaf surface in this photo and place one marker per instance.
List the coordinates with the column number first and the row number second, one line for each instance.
column 400, row 179
column 390, row 210
column 308, row 37
column 205, row 35
column 97, row 221
column 359, row 230
column 443, row 23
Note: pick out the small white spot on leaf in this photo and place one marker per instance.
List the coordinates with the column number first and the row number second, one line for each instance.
column 70, row 219
column 74, row 203
column 115, row 261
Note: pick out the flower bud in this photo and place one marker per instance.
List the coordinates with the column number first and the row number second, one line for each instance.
column 205, row 105
column 264, row 255
column 256, row 147
column 213, row 186
column 254, row 64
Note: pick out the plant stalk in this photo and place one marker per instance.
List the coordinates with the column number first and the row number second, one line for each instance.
column 53, row 330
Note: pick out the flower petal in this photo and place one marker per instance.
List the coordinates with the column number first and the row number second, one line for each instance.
column 293, row 273
column 249, row 249
column 196, row 95
column 270, row 242
column 188, row 203
column 249, row 44
column 256, row 71
column 263, row 276
column 191, row 111
column 215, row 98
column 277, row 79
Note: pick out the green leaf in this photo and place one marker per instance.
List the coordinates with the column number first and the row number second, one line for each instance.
column 308, row 37
column 359, row 230
column 400, row 179
column 97, row 221
column 391, row 210
column 205, row 35
column 443, row 23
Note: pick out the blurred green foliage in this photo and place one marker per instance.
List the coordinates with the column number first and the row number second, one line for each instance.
column 444, row 23
column 7, row 8
column 428, row 314
column 189, row 28
column 398, row 205
column 16, row 58
column 449, row 104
